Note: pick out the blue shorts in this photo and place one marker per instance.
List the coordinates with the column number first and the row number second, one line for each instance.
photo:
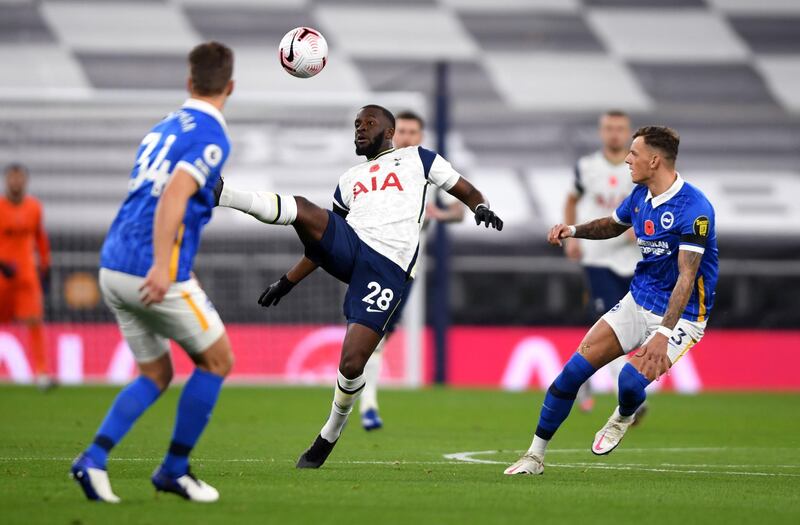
column 606, row 288
column 377, row 285
column 398, row 315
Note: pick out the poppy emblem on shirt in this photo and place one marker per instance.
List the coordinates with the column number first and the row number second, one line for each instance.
column 374, row 168
column 649, row 227
column 612, row 181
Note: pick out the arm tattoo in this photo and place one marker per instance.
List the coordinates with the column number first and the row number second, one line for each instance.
column 688, row 263
column 604, row 228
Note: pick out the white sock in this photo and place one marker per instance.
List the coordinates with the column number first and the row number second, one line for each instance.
column 267, row 207
column 538, row 446
column 372, row 373
column 619, row 417
column 344, row 397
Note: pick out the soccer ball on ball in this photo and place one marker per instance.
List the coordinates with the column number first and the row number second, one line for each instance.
column 303, row 52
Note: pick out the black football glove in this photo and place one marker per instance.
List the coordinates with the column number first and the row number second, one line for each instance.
column 484, row 215
column 7, row 270
column 272, row 295
column 218, row 190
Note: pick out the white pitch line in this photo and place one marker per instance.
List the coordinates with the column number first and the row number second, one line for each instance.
column 676, row 471
column 243, row 460
column 467, row 457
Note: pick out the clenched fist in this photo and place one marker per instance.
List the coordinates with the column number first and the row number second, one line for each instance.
column 558, row 232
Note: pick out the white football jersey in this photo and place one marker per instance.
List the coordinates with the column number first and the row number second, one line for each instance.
column 385, row 199
column 602, row 186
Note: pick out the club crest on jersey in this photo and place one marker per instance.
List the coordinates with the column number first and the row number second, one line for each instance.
column 667, row 220
column 700, row 226
column 649, row 227
column 212, row 155
column 391, row 181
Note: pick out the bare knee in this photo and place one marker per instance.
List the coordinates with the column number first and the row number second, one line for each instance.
column 600, row 345
column 220, row 365
column 351, row 366
column 159, row 371
column 217, row 359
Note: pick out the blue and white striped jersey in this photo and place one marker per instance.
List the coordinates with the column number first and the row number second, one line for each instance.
column 194, row 139
column 681, row 218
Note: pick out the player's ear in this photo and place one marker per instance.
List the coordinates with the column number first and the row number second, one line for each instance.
column 655, row 162
column 189, row 87
column 229, row 89
column 388, row 133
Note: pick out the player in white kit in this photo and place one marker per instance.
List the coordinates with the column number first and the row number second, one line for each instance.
column 602, row 181
column 370, row 241
column 408, row 132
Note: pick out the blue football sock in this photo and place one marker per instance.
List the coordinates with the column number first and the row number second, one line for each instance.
column 194, row 410
column 631, row 390
column 130, row 403
column 561, row 395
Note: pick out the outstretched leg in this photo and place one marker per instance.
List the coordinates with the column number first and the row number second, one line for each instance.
column 308, row 219
column 359, row 343
column 598, row 348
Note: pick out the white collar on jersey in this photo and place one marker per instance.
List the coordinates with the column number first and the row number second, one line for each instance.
column 658, row 200
column 205, row 107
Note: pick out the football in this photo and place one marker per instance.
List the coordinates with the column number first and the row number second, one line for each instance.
column 303, row 52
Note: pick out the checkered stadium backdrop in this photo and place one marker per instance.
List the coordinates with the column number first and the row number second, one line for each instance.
column 80, row 82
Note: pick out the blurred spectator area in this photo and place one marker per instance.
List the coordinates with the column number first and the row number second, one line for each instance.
column 82, row 82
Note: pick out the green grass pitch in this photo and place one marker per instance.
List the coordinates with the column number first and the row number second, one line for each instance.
column 723, row 458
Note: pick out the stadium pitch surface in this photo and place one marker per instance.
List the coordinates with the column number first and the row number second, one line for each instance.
column 722, row 458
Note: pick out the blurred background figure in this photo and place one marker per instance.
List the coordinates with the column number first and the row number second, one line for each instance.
column 443, row 207
column 24, row 276
column 602, row 181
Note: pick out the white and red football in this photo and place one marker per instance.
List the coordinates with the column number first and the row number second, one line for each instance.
column 303, row 52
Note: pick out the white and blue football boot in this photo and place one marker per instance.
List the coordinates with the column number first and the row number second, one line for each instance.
column 186, row 486
column 93, row 480
column 370, row 420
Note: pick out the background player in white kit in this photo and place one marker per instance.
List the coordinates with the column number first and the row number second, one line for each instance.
column 408, row 132
column 602, row 181
column 370, row 240
column 147, row 281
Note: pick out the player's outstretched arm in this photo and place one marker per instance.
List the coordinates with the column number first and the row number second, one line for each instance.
column 273, row 294
column 168, row 218
column 464, row 191
column 656, row 361
column 604, row 228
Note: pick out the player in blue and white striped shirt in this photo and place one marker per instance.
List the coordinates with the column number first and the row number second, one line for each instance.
column 146, row 279
column 665, row 313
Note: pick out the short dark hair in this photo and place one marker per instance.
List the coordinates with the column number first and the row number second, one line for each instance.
column 661, row 138
column 410, row 115
column 386, row 112
column 15, row 166
column 616, row 113
column 211, row 68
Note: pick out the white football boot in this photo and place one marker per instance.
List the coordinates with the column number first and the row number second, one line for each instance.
column 186, row 486
column 609, row 437
column 529, row 463
column 93, row 480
